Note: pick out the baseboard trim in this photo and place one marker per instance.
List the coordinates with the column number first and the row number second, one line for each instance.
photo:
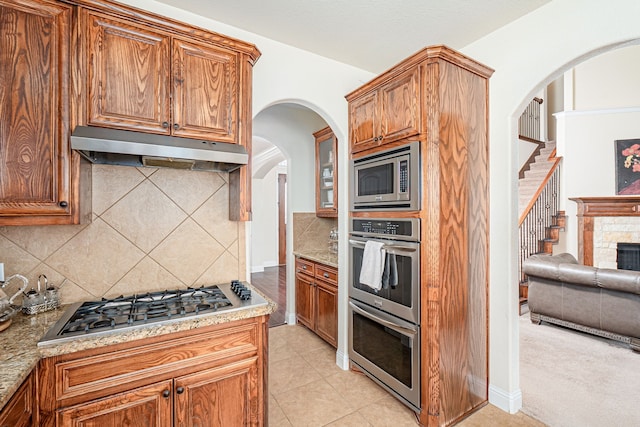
column 508, row 402
column 342, row 360
column 291, row 318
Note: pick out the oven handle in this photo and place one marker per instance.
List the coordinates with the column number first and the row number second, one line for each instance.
column 390, row 248
column 390, row 325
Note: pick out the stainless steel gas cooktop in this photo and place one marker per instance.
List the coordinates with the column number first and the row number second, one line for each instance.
column 127, row 312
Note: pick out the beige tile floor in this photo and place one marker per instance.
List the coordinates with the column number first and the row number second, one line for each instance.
column 306, row 388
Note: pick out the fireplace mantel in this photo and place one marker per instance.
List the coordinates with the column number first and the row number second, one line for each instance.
column 592, row 207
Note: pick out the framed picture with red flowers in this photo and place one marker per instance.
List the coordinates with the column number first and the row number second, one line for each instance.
column 627, row 166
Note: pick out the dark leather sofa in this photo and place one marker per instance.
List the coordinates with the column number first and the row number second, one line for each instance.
column 600, row 301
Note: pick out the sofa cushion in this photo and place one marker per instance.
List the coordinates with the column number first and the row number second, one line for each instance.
column 618, row 280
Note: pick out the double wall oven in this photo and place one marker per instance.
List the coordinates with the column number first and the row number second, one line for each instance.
column 384, row 322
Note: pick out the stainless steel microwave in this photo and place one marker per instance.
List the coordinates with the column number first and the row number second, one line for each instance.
column 387, row 180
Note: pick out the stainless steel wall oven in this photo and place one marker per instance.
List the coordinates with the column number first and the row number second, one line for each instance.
column 384, row 323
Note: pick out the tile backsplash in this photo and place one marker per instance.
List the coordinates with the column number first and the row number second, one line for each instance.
column 152, row 229
column 311, row 233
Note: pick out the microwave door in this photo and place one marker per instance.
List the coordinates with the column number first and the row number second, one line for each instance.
column 375, row 181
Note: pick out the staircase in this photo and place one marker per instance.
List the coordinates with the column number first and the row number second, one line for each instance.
column 538, row 170
column 540, row 221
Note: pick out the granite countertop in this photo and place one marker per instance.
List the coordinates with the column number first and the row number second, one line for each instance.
column 21, row 353
column 322, row 256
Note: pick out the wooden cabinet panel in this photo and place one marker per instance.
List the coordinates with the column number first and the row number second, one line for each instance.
column 305, row 267
column 326, row 321
column 317, row 298
column 363, row 122
column 440, row 97
column 146, row 406
column 326, row 173
column 205, row 87
column 304, row 300
column 19, row 411
column 385, row 113
column 218, row 397
column 327, row 274
column 36, row 165
column 400, row 107
column 128, row 76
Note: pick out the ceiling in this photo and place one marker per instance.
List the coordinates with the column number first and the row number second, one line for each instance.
column 369, row 34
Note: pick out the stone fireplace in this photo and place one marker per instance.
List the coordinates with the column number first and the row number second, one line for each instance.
column 603, row 222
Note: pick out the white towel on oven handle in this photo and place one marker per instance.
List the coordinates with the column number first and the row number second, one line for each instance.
column 372, row 264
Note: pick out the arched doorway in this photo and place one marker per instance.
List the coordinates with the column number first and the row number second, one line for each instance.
column 283, row 136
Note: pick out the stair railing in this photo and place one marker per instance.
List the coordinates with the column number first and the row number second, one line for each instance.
column 529, row 123
column 538, row 215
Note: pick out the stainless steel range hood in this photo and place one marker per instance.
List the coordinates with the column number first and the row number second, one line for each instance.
column 120, row 147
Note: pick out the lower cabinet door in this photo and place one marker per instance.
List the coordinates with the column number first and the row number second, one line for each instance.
column 19, row 411
column 148, row 406
column 304, row 300
column 220, row 397
column 327, row 312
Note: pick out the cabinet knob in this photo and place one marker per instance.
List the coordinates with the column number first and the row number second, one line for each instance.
column 63, row 204
column 326, row 275
column 165, row 124
column 180, row 390
column 166, row 393
column 176, row 126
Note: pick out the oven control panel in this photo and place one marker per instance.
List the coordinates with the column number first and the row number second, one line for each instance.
column 406, row 228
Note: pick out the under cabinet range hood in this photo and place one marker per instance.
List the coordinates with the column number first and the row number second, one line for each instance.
column 128, row 148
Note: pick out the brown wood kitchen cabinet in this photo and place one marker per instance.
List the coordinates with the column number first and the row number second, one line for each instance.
column 317, row 298
column 438, row 99
column 326, row 173
column 19, row 411
column 149, row 73
column 173, row 85
column 39, row 174
column 214, row 374
column 385, row 112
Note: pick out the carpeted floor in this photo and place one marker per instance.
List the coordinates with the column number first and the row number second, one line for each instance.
column 571, row 379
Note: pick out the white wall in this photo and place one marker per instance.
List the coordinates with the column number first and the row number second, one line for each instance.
column 526, row 60
column 606, row 94
column 264, row 226
column 611, row 80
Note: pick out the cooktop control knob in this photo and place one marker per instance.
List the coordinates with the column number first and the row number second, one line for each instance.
column 243, row 292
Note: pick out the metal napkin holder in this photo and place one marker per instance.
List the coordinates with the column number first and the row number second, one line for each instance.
column 35, row 302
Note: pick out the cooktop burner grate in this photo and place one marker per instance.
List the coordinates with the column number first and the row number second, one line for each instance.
column 107, row 315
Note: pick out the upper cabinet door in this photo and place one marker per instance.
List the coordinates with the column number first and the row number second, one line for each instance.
column 400, row 107
column 363, row 122
column 35, row 157
column 129, row 70
column 205, row 92
column 385, row 112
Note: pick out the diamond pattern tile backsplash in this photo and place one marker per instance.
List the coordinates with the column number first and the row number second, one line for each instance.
column 152, row 229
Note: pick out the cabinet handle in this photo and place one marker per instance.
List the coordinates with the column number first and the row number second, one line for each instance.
column 165, row 124
column 180, row 390
column 166, row 393
column 326, row 275
column 176, row 126
column 63, row 204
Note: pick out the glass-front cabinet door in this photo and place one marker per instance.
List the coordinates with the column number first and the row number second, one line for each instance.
column 326, row 173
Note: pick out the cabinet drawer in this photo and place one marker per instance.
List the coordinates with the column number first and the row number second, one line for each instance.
column 305, row 266
column 86, row 377
column 327, row 274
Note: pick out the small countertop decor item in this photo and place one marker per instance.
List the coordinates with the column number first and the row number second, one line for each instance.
column 7, row 308
column 40, row 300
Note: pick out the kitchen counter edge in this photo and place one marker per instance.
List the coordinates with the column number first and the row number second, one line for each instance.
column 322, row 257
